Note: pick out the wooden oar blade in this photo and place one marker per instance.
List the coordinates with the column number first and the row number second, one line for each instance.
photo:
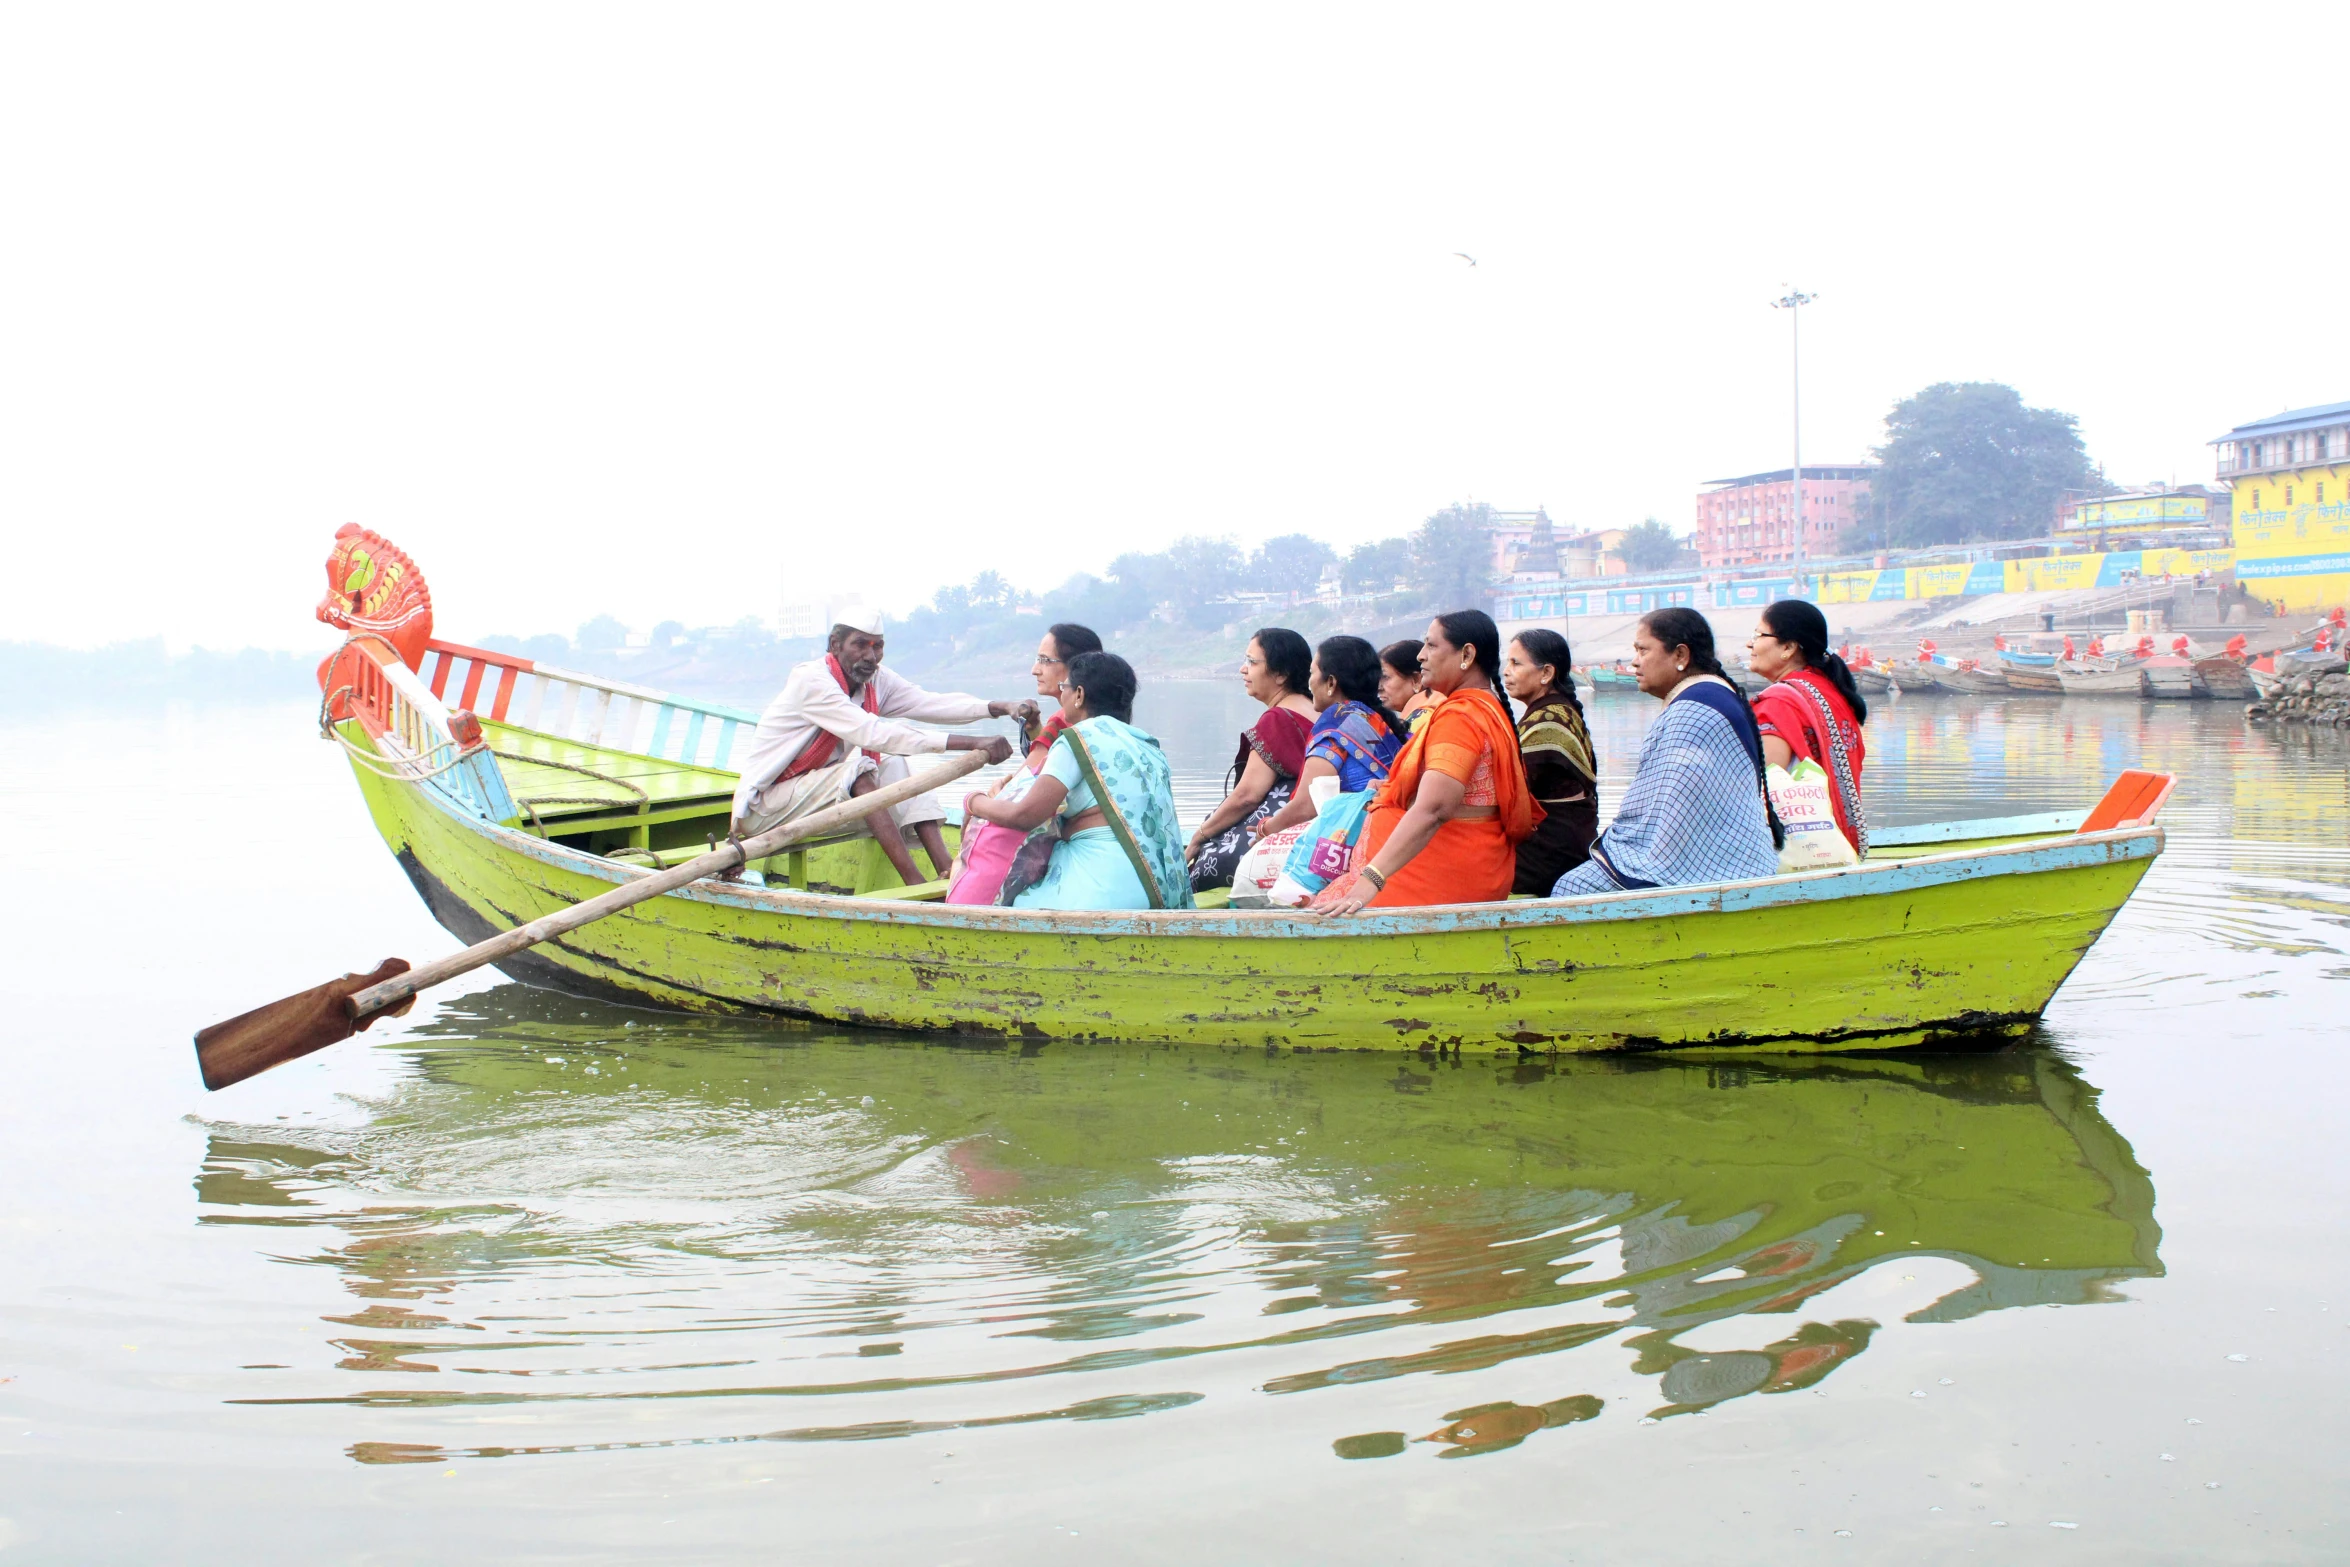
column 269, row 1036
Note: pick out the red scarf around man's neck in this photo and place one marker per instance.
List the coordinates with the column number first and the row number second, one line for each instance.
column 820, row 750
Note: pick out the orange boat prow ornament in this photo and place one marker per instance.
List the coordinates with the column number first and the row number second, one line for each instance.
column 372, row 590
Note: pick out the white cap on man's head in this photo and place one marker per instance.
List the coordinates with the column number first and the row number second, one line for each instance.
column 860, row 617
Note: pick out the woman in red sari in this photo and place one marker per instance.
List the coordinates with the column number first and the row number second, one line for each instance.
column 1812, row 711
column 1276, row 671
column 1446, row 825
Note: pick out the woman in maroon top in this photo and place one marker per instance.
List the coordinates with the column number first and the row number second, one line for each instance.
column 1812, row 709
column 1275, row 670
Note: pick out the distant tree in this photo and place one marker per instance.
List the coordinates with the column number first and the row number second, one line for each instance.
column 1452, row 556
column 602, row 635
column 1377, row 568
column 990, row 591
column 1090, row 601
column 668, row 633
column 546, row 648
column 1648, row 546
column 1290, row 563
column 1967, row 460
column 1187, row 574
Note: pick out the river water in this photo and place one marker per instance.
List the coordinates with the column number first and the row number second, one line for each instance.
column 522, row 1277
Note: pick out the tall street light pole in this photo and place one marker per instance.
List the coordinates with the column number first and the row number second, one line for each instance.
column 1793, row 304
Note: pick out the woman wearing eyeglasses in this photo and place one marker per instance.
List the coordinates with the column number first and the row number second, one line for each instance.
column 977, row 875
column 1812, row 709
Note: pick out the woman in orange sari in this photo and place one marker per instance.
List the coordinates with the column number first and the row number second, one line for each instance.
column 1446, row 825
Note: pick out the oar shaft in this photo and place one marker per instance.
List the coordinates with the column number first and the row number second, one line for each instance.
column 725, row 857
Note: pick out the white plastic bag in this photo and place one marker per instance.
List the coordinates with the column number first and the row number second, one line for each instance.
column 1814, row 842
column 1260, row 868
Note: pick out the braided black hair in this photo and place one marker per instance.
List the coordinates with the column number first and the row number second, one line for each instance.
column 1352, row 665
column 1474, row 629
column 1676, row 626
column 1545, row 646
column 1802, row 627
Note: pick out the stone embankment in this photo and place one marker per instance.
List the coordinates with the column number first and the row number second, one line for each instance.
column 2314, row 696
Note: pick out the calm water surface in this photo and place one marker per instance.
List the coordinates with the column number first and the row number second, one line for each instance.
column 525, row 1277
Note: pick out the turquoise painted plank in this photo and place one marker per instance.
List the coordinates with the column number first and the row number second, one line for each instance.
column 661, row 729
column 691, row 755
column 725, row 743
column 1982, row 827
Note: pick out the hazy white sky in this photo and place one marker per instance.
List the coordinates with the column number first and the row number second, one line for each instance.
column 637, row 309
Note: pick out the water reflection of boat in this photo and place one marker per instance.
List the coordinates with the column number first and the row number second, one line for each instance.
column 1339, row 1218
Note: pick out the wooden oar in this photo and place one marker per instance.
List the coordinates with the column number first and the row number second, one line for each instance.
column 268, row 1036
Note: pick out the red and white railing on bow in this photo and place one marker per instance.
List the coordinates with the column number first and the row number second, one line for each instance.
column 412, row 737
column 506, row 689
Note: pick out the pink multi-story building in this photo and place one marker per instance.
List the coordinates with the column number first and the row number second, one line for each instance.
column 1750, row 520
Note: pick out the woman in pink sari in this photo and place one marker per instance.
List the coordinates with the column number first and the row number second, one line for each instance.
column 987, row 849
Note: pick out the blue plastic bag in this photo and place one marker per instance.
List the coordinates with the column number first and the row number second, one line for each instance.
column 1319, row 856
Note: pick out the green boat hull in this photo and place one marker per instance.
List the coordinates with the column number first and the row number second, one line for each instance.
column 1894, row 953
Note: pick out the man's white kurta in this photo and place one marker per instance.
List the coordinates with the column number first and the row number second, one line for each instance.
column 812, row 702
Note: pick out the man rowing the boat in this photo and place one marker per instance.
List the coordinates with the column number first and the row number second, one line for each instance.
column 830, row 735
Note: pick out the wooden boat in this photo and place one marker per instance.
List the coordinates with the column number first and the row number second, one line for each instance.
column 2085, row 679
column 1603, row 675
column 1871, row 679
column 2171, row 678
column 2030, row 673
column 1971, row 679
column 2226, row 679
column 1985, row 918
column 1914, row 676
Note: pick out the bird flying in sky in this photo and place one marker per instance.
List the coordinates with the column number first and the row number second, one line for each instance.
column 1465, row 256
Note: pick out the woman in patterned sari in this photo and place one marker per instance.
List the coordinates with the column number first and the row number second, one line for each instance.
column 1354, row 740
column 1556, row 744
column 1272, row 753
column 1446, row 825
column 1697, row 812
column 1108, row 791
column 1814, row 709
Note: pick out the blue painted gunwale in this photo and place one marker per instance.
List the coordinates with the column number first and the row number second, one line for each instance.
column 2061, row 851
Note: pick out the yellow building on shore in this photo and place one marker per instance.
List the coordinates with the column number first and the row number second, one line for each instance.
column 2291, row 477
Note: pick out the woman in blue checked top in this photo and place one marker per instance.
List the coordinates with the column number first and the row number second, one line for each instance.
column 1697, row 811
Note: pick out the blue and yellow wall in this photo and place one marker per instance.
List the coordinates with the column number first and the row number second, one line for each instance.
column 2292, row 536
column 2049, row 573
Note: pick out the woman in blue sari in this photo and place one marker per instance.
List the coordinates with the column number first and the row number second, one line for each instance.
column 1697, row 811
column 1355, row 735
column 1109, row 796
